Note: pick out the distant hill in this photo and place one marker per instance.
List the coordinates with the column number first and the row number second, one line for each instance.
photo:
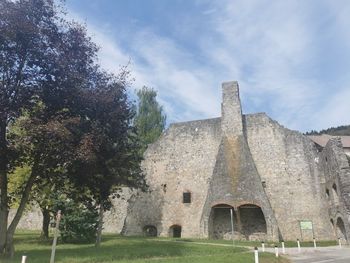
column 341, row 130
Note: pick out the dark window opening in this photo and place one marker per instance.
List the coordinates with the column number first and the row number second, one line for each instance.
column 335, row 187
column 175, row 231
column 186, row 198
column 263, row 184
column 164, row 187
column 327, row 193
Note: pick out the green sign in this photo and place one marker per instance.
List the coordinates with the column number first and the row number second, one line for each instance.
column 306, row 225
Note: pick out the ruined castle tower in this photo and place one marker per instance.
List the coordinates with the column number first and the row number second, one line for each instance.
column 270, row 179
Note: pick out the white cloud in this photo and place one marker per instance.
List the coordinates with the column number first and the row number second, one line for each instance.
column 336, row 110
column 271, row 48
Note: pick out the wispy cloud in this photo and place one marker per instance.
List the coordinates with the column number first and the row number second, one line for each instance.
column 274, row 50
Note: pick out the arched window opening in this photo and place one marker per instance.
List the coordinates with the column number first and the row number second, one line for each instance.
column 340, row 229
column 150, row 231
column 175, row 231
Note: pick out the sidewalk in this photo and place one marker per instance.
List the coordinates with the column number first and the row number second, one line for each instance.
column 318, row 255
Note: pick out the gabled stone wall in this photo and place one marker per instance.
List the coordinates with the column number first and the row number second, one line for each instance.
column 182, row 160
column 288, row 165
column 234, row 162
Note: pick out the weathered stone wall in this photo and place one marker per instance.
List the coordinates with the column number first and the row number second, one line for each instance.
column 231, row 110
column 182, row 160
column 31, row 219
column 336, row 170
column 288, row 165
column 113, row 219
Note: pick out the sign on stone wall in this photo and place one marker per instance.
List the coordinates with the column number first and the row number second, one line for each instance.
column 306, row 225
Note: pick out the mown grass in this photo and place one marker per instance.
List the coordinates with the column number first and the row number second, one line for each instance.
column 133, row 250
column 267, row 244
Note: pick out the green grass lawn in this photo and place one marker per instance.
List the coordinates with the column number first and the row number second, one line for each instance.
column 133, row 249
column 267, row 244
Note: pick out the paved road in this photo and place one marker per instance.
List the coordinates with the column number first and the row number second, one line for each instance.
column 319, row 255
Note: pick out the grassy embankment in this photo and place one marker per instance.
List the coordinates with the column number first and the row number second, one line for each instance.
column 134, row 250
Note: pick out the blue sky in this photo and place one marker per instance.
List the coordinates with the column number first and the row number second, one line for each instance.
column 291, row 58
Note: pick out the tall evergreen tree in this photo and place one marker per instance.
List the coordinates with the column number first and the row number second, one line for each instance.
column 150, row 118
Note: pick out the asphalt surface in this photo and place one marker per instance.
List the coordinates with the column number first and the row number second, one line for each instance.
column 318, row 255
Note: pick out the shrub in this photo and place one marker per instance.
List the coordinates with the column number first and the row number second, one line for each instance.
column 78, row 223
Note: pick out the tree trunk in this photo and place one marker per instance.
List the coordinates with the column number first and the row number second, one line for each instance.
column 9, row 248
column 3, row 186
column 99, row 227
column 46, row 223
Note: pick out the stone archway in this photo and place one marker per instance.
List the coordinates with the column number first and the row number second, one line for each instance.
column 253, row 223
column 150, row 231
column 220, row 222
column 340, row 229
column 175, row 231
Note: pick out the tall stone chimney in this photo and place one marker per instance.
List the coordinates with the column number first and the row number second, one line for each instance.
column 231, row 110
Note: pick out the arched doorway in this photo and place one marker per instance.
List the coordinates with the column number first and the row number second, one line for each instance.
column 340, row 229
column 253, row 223
column 220, row 222
column 175, row 231
column 150, row 231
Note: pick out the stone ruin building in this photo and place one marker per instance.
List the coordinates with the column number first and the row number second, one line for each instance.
column 280, row 184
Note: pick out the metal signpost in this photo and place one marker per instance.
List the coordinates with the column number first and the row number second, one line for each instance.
column 233, row 241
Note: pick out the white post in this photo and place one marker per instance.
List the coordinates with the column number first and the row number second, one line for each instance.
column 276, row 251
column 54, row 243
column 298, row 242
column 263, row 246
column 339, row 241
column 256, row 255
column 315, row 246
column 24, row 258
column 283, row 248
column 233, row 241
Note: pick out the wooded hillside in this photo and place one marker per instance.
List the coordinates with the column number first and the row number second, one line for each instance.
column 340, row 130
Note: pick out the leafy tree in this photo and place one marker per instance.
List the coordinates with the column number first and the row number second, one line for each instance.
column 77, row 119
column 108, row 156
column 44, row 61
column 150, row 118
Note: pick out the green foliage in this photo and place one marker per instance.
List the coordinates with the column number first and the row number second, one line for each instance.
column 79, row 221
column 16, row 182
column 150, row 118
column 61, row 115
column 343, row 130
